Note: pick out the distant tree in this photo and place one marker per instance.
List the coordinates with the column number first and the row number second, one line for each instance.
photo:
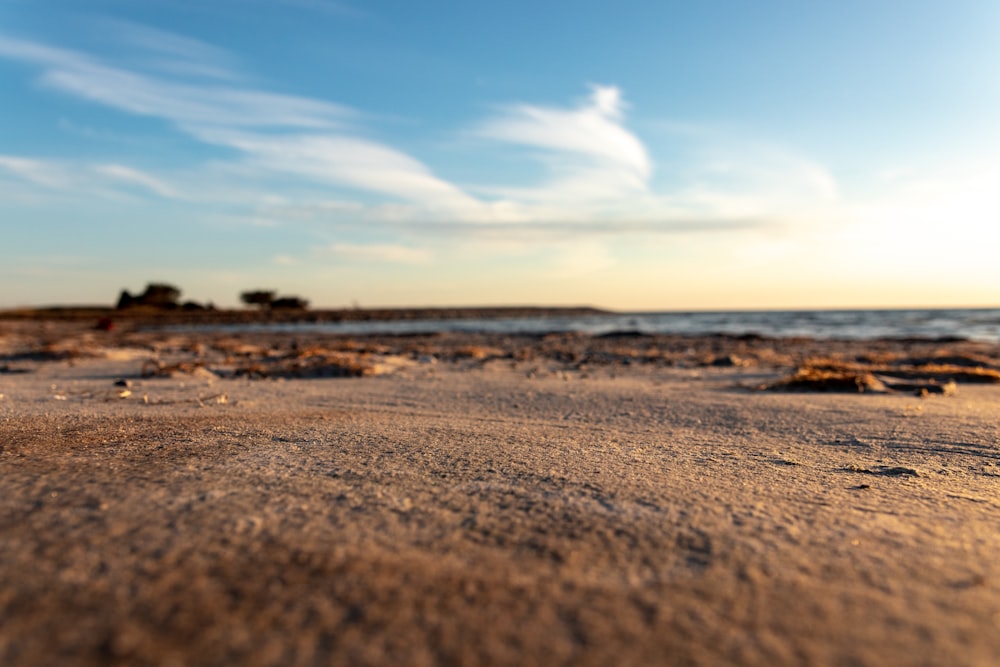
column 261, row 298
column 290, row 303
column 158, row 295
column 125, row 300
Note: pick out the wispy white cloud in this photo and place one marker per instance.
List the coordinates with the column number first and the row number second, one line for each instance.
column 134, row 176
column 375, row 252
column 599, row 181
column 241, row 119
column 181, row 103
column 45, row 173
column 188, row 104
column 593, row 129
column 348, row 161
column 589, row 151
column 169, row 51
column 84, row 178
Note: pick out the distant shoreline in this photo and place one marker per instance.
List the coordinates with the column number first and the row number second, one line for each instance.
column 941, row 325
column 162, row 316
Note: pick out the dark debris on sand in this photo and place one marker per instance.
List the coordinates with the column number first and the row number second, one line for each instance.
column 906, row 366
column 923, row 376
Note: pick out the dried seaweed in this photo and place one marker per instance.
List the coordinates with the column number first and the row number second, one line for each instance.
column 883, row 471
column 318, row 363
column 944, row 373
column 881, row 375
column 810, row 378
column 156, row 368
column 922, row 388
column 478, row 352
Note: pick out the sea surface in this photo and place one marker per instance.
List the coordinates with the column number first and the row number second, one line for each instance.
column 971, row 324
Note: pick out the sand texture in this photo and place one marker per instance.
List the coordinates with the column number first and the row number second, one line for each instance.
column 170, row 499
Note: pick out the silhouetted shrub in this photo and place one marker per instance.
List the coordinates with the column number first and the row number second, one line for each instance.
column 158, row 295
column 289, row 303
column 261, row 298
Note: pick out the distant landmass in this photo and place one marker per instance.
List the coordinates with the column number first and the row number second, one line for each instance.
column 145, row 314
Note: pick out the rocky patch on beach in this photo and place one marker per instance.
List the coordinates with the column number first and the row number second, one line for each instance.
column 911, row 366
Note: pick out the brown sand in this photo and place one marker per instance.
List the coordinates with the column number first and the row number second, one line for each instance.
column 488, row 501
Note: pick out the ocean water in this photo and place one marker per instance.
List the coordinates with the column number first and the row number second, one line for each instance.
column 970, row 324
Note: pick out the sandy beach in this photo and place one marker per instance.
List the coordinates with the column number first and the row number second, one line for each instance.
column 255, row 499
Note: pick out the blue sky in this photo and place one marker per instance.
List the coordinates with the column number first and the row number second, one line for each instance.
column 646, row 155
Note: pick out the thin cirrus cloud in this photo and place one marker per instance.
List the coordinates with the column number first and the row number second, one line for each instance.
column 347, row 161
column 378, row 252
column 132, row 176
column 589, row 151
column 93, row 179
column 244, row 120
column 45, row 173
column 181, row 103
column 170, row 52
column 599, row 171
